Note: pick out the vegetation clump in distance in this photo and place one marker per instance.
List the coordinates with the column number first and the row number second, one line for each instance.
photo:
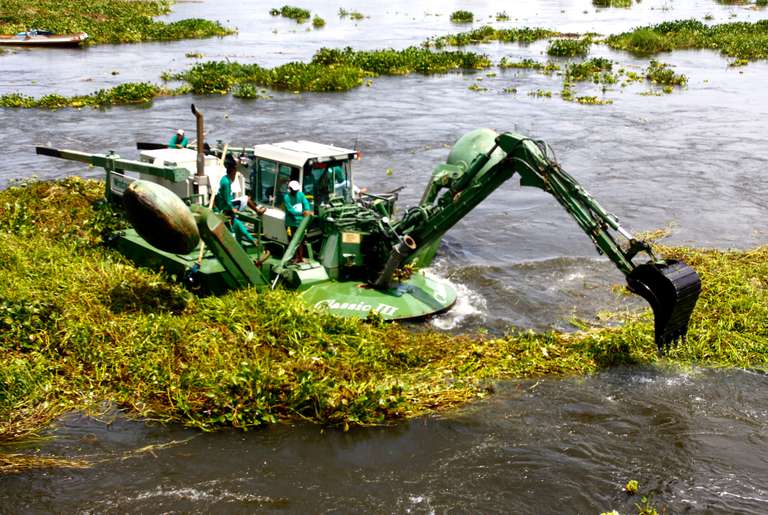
column 329, row 70
column 318, row 22
column 487, row 34
column 297, row 14
column 569, row 47
column 81, row 325
column 742, row 40
column 462, row 16
column 105, row 21
column 612, row 3
column 352, row 15
column 128, row 93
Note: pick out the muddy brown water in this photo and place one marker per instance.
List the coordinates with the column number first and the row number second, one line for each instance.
column 694, row 160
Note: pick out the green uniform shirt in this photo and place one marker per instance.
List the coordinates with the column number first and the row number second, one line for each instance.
column 223, row 200
column 295, row 205
column 175, row 141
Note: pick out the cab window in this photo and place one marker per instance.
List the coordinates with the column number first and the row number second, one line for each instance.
column 266, row 172
column 285, row 175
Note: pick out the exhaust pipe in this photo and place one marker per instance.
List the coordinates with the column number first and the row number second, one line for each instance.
column 200, row 141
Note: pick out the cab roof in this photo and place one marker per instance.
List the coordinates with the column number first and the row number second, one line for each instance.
column 299, row 152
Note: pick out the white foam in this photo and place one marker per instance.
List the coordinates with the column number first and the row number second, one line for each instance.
column 468, row 303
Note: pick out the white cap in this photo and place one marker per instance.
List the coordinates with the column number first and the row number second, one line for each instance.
column 294, row 185
column 180, row 132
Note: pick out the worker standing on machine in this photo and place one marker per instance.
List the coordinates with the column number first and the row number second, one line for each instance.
column 296, row 208
column 225, row 203
column 178, row 140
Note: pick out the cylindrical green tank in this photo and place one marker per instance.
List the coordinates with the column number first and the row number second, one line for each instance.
column 473, row 143
column 161, row 217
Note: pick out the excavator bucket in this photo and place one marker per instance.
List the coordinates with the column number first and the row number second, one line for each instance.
column 672, row 289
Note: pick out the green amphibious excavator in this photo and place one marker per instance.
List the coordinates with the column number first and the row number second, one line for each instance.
column 362, row 255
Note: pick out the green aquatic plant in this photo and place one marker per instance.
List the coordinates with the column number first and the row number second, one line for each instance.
column 128, row 93
column 297, row 14
column 742, row 40
column 462, row 16
column 82, row 325
column 354, row 15
column 661, row 73
column 330, row 69
column 529, row 64
column 487, row 34
column 400, row 62
column 588, row 70
column 569, row 47
column 105, row 21
column 318, row 22
column 612, row 3
column 249, row 91
column 502, row 16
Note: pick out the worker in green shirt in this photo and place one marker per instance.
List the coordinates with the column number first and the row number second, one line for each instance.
column 225, row 203
column 296, row 206
column 178, row 140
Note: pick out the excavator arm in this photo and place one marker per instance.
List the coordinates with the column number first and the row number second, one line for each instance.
column 671, row 287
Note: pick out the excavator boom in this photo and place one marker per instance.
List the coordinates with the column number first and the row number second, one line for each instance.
column 482, row 160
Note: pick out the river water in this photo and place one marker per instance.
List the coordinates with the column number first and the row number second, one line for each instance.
column 693, row 161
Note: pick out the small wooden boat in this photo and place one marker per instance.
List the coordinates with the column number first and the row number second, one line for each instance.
column 43, row 38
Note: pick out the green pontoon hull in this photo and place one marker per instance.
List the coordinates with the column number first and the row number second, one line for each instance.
column 421, row 295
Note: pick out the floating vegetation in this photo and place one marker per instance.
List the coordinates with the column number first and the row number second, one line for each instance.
column 353, row 15
column 105, row 21
column 82, row 324
column 529, row 64
column 297, row 14
column 461, row 16
column 15, row 463
column 219, row 77
column 487, row 34
column 503, row 16
column 612, row 3
column 128, row 93
column 598, row 71
column 540, row 93
column 400, row 62
column 662, row 73
column 330, row 69
column 194, row 55
column 742, row 40
column 569, row 47
column 592, row 100
column 250, row 92
column 595, row 70
column 318, row 22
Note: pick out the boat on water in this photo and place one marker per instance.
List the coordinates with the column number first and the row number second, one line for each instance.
column 37, row 37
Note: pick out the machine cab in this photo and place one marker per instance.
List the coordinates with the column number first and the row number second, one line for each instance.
column 324, row 172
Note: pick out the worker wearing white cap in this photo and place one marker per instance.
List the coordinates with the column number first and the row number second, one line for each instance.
column 178, row 140
column 296, row 206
